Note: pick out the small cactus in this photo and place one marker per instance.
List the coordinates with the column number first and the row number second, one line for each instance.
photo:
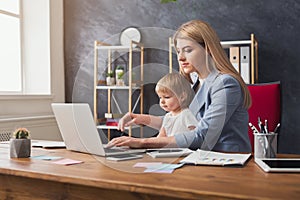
column 21, row 133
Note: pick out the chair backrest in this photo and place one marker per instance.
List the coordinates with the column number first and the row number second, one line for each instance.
column 265, row 104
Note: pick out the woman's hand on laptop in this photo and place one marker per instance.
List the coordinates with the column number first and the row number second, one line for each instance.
column 152, row 142
column 126, row 141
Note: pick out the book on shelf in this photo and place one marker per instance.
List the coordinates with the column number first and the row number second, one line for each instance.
column 112, row 122
column 202, row 157
column 113, row 115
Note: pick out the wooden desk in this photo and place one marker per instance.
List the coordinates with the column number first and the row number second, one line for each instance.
column 37, row 179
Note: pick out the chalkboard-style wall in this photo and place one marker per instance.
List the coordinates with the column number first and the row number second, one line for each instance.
column 274, row 23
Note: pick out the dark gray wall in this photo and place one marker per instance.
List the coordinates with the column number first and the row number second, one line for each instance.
column 274, row 23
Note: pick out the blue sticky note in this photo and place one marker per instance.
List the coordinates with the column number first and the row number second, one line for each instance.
column 45, row 157
column 165, row 166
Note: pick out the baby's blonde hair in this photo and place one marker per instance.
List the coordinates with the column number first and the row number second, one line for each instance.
column 179, row 86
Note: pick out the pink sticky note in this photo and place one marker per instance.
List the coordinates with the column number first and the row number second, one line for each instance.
column 67, row 161
column 146, row 164
column 162, row 171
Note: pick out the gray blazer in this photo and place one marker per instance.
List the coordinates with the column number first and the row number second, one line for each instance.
column 223, row 121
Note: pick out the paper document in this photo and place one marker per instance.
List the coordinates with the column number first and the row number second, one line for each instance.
column 201, row 157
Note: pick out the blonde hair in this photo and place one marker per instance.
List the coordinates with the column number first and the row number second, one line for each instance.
column 179, row 86
column 203, row 33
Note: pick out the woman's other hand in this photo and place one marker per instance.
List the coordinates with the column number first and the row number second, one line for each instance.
column 127, row 120
column 141, row 119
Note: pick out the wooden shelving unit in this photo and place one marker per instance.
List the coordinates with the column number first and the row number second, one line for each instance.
column 133, row 47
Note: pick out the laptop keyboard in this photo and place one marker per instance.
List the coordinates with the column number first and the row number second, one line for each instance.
column 113, row 150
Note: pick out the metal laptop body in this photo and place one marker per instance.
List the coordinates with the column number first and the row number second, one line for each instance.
column 79, row 132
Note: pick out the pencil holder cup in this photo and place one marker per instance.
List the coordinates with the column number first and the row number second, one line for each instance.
column 265, row 145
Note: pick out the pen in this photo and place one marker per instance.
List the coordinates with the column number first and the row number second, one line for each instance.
column 266, row 126
column 261, row 127
column 253, row 128
column 259, row 124
column 276, row 129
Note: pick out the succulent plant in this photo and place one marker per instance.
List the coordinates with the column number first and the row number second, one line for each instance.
column 21, row 133
column 110, row 74
column 120, row 75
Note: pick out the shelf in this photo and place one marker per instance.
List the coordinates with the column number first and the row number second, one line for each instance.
column 115, row 87
column 106, row 127
column 227, row 44
column 117, row 48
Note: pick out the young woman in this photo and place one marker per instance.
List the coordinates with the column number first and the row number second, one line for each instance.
column 220, row 104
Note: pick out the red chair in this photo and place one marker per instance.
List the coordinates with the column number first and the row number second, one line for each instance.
column 265, row 104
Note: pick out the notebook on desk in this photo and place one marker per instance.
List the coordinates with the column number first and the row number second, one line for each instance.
column 79, row 132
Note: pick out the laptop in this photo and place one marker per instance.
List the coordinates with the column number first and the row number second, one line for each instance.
column 79, row 131
column 279, row 164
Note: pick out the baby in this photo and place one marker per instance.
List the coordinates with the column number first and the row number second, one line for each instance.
column 175, row 94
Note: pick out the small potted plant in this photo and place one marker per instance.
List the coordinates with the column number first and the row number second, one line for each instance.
column 20, row 144
column 119, row 75
column 110, row 80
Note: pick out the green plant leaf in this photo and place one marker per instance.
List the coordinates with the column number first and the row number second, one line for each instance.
column 110, row 74
column 120, row 67
column 120, row 75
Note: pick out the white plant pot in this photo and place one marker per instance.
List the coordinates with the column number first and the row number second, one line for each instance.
column 119, row 81
column 110, row 81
